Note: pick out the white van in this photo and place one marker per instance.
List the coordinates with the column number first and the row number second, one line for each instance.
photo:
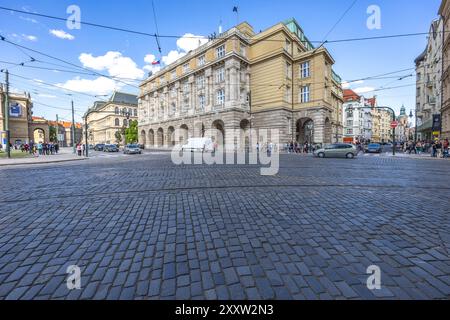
column 199, row 144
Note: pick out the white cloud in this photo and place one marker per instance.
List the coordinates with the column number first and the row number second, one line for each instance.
column 347, row 85
column 190, row 42
column 149, row 58
column 115, row 63
column 61, row 34
column 29, row 19
column 44, row 95
column 363, row 89
column 30, row 37
column 173, row 56
column 98, row 86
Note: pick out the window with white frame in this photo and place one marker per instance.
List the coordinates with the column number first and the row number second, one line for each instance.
column 220, row 75
column 287, row 46
column 201, row 81
column 185, row 87
column 220, row 97
column 201, row 60
column 288, row 70
column 304, row 94
column 220, row 51
column 288, row 94
column 174, row 107
column 304, row 70
column 243, row 50
column 185, row 67
column 201, row 102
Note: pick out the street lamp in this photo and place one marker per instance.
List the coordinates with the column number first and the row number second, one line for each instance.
column 411, row 115
column 309, row 127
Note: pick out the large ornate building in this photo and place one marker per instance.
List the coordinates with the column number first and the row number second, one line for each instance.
column 106, row 118
column 274, row 79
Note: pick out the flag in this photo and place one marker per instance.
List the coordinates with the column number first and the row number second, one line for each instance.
column 235, row 9
column 156, row 62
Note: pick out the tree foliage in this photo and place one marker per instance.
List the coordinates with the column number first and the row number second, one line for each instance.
column 131, row 133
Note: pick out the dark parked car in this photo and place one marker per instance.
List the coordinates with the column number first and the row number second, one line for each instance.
column 374, row 148
column 110, row 148
column 99, row 147
column 132, row 149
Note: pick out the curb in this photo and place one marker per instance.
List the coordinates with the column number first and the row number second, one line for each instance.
column 37, row 163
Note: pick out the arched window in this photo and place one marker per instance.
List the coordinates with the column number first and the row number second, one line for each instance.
column 125, row 123
column 117, row 121
column 116, row 111
column 135, row 112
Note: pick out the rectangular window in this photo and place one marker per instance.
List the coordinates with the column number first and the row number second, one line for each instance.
column 220, row 75
column 243, row 50
column 288, row 94
column 304, row 70
column 201, row 60
column 201, row 82
column 220, row 97
column 287, row 46
column 220, row 51
column 349, row 131
column 201, row 102
column 185, row 87
column 288, row 70
column 304, row 94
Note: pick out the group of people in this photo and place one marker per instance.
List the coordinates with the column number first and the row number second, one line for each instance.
column 437, row 148
column 295, row 147
column 40, row 148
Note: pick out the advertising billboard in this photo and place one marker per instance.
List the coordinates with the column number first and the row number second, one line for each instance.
column 15, row 110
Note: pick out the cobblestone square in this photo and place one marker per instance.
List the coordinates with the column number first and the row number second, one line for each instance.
column 143, row 228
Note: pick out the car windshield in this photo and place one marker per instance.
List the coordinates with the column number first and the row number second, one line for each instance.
column 374, row 145
column 133, row 146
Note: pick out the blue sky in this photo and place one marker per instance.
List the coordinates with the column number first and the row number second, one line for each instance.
column 90, row 45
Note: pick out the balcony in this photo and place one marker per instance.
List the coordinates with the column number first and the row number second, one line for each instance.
column 336, row 77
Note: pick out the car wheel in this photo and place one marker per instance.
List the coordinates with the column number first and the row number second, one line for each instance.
column 321, row 155
column 350, row 155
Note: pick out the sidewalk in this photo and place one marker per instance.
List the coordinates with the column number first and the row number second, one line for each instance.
column 64, row 155
column 425, row 156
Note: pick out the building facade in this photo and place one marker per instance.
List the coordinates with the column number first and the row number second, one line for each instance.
column 444, row 12
column 40, row 130
column 357, row 117
column 402, row 132
column 274, row 79
column 428, row 80
column 106, row 118
column 20, row 112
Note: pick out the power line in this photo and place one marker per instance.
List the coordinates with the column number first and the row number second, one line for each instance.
column 2, row 38
column 197, row 37
column 339, row 20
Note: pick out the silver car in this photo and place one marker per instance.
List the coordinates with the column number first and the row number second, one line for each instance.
column 132, row 149
column 339, row 150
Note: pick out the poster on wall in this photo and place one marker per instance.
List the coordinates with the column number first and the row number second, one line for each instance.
column 15, row 110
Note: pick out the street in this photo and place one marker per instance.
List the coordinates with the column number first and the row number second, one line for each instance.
column 140, row 227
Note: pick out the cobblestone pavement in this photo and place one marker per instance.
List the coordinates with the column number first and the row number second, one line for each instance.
column 142, row 228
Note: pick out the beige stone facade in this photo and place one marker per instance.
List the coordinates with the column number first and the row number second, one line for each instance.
column 106, row 118
column 20, row 106
column 444, row 12
column 274, row 80
column 428, row 78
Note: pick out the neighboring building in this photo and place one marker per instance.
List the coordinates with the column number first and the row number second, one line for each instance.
column 444, row 12
column 20, row 111
column 274, row 79
column 357, row 117
column 41, row 131
column 106, row 118
column 402, row 132
column 385, row 125
column 428, row 78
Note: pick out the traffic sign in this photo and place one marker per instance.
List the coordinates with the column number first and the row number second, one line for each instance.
column 394, row 124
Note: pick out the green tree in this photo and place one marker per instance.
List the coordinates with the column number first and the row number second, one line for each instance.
column 131, row 133
column 118, row 136
column 52, row 132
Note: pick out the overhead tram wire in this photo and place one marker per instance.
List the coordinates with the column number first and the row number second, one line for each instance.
column 196, row 37
column 2, row 38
